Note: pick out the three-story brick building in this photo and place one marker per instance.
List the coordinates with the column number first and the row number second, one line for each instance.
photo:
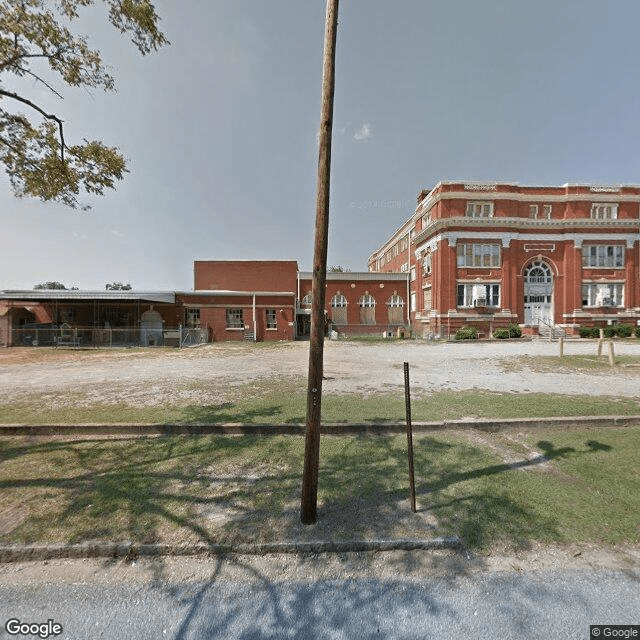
column 491, row 254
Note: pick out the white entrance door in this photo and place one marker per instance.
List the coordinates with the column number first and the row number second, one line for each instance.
column 538, row 293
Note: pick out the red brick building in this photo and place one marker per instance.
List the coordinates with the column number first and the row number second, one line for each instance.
column 490, row 254
column 231, row 300
column 271, row 300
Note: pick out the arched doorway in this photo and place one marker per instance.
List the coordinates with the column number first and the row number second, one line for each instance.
column 151, row 329
column 538, row 293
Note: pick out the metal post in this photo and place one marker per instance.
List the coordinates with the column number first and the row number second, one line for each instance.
column 309, row 500
column 407, row 398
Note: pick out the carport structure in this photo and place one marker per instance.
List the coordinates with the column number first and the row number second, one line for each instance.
column 88, row 318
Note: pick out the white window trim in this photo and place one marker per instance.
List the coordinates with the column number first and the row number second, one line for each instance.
column 586, row 249
column 593, row 286
column 473, row 205
column 595, row 210
column 475, row 248
column 470, row 286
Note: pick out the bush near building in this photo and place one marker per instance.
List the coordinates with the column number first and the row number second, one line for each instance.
column 622, row 330
column 467, row 333
column 512, row 331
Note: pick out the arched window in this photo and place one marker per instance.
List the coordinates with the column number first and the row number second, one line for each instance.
column 367, row 306
column 395, row 311
column 307, row 300
column 339, row 309
column 367, row 300
column 338, row 301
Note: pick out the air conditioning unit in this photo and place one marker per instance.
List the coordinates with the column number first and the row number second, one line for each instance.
column 387, row 334
column 480, row 302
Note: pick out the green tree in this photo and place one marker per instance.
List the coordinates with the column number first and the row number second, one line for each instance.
column 338, row 268
column 36, row 43
column 117, row 286
column 50, row 285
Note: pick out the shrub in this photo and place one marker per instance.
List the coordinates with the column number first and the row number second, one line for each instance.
column 623, row 330
column 589, row 332
column 610, row 331
column 637, row 332
column 501, row 334
column 467, row 333
column 514, row 330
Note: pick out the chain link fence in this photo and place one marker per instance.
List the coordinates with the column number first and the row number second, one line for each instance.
column 39, row 335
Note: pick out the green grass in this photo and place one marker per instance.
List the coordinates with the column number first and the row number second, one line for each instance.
column 577, row 363
column 231, row 489
column 278, row 403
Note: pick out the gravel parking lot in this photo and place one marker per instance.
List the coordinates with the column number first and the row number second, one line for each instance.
column 162, row 375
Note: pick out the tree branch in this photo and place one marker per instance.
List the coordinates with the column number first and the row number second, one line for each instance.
column 35, row 76
column 49, row 116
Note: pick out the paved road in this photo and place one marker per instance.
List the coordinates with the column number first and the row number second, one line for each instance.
column 257, row 604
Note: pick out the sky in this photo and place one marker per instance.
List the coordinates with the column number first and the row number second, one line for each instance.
column 220, row 128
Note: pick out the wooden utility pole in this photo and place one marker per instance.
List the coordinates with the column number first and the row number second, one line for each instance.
column 309, row 500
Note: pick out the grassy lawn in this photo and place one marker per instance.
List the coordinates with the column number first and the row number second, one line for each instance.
column 577, row 363
column 280, row 402
column 232, row 489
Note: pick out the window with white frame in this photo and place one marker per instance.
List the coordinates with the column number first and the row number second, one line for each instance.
column 367, row 306
column 602, row 294
column 307, row 300
column 603, row 256
column 478, row 255
column 604, row 211
column 533, row 211
column 478, row 295
column 339, row 309
column 413, row 273
column 234, row 319
column 427, row 264
column 395, row 313
column 404, row 268
column 272, row 322
column 427, row 299
column 546, row 211
column 479, row 209
column 192, row 319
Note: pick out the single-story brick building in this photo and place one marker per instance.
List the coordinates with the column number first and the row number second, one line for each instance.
column 231, row 300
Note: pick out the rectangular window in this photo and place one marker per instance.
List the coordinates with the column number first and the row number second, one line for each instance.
column 546, row 211
column 478, row 295
column 600, row 294
column 404, row 268
column 412, row 301
column 533, row 211
column 413, row 273
column 603, row 256
column 192, row 319
column 427, row 299
column 478, row 255
column 604, row 211
column 479, row 210
column 272, row 323
column 234, row 319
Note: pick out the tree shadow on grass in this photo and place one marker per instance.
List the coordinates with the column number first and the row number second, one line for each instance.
column 366, row 496
column 223, row 490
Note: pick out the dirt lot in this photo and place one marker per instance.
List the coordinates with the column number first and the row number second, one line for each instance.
column 155, row 376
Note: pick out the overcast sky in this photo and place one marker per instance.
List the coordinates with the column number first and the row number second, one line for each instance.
column 220, row 128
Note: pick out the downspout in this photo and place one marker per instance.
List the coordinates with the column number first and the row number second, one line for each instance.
column 255, row 328
column 409, row 278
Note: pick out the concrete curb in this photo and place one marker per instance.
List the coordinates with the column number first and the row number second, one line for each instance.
column 30, row 553
column 299, row 429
